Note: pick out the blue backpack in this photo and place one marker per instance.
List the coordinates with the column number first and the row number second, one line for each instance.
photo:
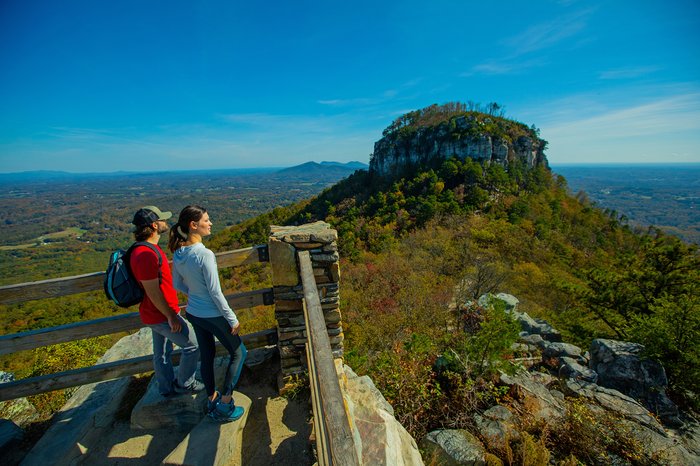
column 119, row 284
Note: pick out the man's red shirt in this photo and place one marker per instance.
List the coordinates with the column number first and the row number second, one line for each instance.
column 144, row 266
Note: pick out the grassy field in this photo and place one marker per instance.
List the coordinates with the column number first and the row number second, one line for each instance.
column 72, row 232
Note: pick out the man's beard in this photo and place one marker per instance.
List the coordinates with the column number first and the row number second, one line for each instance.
column 162, row 228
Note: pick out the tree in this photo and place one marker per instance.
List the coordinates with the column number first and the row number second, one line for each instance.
column 651, row 296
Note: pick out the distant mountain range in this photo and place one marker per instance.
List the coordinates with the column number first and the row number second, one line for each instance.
column 326, row 168
column 311, row 169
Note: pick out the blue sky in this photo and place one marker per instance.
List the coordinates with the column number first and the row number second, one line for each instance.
column 152, row 85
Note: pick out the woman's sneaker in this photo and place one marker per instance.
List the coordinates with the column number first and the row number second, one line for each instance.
column 227, row 412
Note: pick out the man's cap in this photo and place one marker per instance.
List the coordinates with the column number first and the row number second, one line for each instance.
column 149, row 214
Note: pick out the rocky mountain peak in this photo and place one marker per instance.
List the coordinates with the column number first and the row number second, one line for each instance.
column 438, row 132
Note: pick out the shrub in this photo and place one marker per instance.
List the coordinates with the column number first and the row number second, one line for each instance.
column 594, row 436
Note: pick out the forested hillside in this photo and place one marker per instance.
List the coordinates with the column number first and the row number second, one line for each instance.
column 459, row 226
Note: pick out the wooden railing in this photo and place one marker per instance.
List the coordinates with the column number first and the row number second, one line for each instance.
column 125, row 322
column 335, row 444
column 55, row 287
column 334, row 435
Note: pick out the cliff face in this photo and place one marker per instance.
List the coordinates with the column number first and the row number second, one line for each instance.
column 472, row 135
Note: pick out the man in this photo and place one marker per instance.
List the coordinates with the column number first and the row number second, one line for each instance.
column 159, row 309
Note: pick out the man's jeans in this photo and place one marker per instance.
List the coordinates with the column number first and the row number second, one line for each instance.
column 163, row 339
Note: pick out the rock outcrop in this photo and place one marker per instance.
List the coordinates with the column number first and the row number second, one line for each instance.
column 411, row 141
column 620, row 366
column 379, row 437
column 615, row 382
column 453, row 447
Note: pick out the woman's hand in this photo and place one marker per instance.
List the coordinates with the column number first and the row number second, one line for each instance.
column 235, row 328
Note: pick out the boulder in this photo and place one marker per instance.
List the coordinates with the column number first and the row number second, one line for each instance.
column 19, row 410
column 453, row 447
column 612, row 400
column 184, row 411
column 664, row 449
column 381, row 439
column 211, row 442
column 496, row 425
column 257, row 356
column 532, row 340
column 620, row 366
column 570, row 368
column 690, row 434
column 179, row 412
column 510, row 301
column 537, row 327
column 531, row 389
column 560, row 349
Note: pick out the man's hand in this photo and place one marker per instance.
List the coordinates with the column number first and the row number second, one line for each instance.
column 235, row 328
column 174, row 323
column 155, row 294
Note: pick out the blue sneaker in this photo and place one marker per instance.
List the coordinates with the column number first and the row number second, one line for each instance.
column 227, row 412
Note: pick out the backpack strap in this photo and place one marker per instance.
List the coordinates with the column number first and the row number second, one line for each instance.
column 149, row 246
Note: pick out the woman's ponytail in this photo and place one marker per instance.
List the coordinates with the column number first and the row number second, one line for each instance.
column 180, row 231
column 176, row 237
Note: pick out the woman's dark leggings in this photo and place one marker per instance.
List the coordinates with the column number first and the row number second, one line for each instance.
column 206, row 329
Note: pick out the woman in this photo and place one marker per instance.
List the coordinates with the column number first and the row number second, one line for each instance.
column 195, row 273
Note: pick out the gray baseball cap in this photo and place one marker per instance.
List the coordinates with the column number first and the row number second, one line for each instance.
column 149, row 214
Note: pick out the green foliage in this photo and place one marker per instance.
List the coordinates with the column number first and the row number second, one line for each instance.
column 474, row 121
column 297, row 388
column 484, row 348
column 532, row 452
column 650, row 295
column 63, row 357
column 671, row 334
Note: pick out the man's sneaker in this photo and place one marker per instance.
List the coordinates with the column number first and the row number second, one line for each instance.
column 194, row 387
column 211, row 404
column 227, row 412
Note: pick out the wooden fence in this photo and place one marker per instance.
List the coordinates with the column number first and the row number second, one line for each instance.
column 125, row 322
column 335, row 442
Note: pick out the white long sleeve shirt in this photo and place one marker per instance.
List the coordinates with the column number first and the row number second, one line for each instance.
column 195, row 273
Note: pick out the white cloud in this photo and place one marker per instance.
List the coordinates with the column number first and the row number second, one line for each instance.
column 511, row 65
column 360, row 101
column 519, row 55
column 548, row 34
column 385, row 96
column 668, row 115
column 659, row 130
column 628, row 73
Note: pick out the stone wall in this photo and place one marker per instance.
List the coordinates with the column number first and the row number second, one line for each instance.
column 320, row 241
